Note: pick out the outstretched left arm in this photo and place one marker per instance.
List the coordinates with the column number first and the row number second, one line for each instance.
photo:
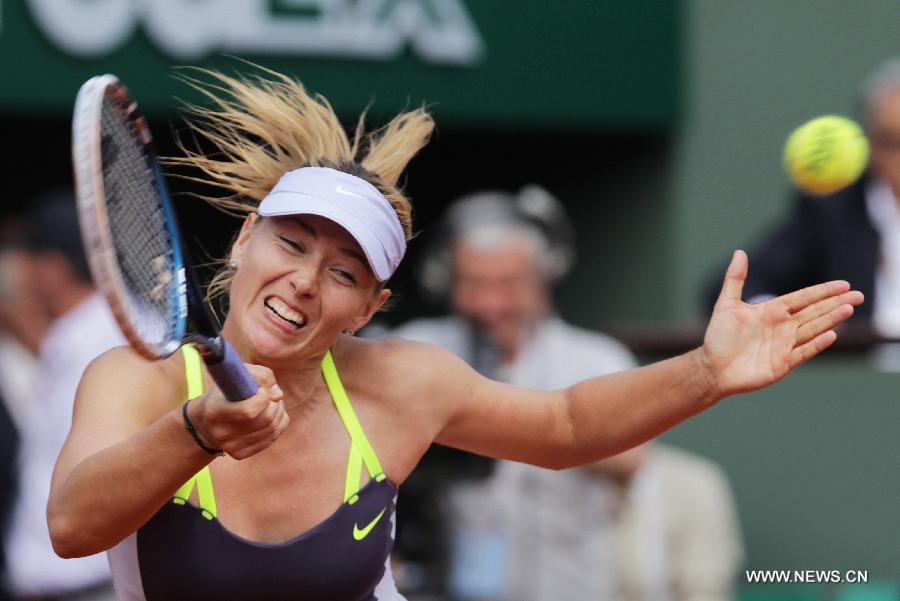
column 746, row 347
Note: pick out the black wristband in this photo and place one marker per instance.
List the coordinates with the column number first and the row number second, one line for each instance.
column 190, row 428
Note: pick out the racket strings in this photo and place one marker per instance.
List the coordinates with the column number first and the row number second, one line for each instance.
column 138, row 224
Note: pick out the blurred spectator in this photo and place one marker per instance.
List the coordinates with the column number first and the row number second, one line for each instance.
column 9, row 440
column 853, row 234
column 82, row 327
column 531, row 534
column 675, row 529
column 22, row 325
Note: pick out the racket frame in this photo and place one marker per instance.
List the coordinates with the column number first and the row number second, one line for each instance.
column 222, row 361
column 94, row 219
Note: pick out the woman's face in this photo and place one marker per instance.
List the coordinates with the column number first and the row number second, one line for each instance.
column 301, row 281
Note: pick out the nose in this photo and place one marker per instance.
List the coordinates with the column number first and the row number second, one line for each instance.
column 305, row 281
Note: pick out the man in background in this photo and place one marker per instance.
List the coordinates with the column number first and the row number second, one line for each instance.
column 529, row 534
column 82, row 328
column 852, row 234
column 22, row 327
column 675, row 531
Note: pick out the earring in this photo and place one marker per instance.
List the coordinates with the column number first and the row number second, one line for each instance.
column 348, row 332
column 232, row 265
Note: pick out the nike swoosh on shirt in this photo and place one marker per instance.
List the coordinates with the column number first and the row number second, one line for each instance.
column 361, row 534
column 342, row 190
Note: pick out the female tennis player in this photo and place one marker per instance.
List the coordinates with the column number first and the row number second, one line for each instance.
column 290, row 494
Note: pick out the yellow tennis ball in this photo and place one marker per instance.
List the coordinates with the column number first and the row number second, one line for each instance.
column 826, row 154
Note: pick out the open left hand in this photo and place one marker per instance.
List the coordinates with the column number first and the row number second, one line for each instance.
column 750, row 346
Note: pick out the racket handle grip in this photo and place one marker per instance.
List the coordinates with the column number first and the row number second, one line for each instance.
column 232, row 376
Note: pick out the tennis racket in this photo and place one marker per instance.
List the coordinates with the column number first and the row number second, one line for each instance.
column 131, row 237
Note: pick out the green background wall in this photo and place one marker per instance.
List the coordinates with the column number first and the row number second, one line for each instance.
column 752, row 72
column 814, row 459
column 755, row 70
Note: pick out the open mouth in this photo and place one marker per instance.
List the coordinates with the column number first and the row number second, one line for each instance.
column 278, row 308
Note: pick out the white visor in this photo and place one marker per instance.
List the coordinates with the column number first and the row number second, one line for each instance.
column 351, row 202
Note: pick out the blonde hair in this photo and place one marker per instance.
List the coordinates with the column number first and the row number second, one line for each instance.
column 263, row 127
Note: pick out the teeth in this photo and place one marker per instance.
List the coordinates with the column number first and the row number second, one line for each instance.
column 284, row 312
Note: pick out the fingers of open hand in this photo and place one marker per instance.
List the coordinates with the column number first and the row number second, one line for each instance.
column 807, row 351
column 734, row 279
column 823, row 307
column 800, row 299
column 812, row 328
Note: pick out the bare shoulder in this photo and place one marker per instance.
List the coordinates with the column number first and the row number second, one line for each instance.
column 120, row 376
column 417, row 381
column 126, row 357
column 122, row 360
column 397, row 364
column 415, row 384
column 120, row 394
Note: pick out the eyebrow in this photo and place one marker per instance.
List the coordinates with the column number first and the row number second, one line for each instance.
column 355, row 255
column 309, row 229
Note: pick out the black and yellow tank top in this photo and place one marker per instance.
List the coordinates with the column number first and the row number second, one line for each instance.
column 184, row 553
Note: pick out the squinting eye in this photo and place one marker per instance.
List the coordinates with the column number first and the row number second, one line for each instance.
column 295, row 245
column 346, row 275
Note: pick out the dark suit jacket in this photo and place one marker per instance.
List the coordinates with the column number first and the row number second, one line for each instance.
column 824, row 238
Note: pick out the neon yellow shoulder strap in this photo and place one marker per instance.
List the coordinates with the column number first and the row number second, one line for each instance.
column 193, row 370
column 360, row 449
